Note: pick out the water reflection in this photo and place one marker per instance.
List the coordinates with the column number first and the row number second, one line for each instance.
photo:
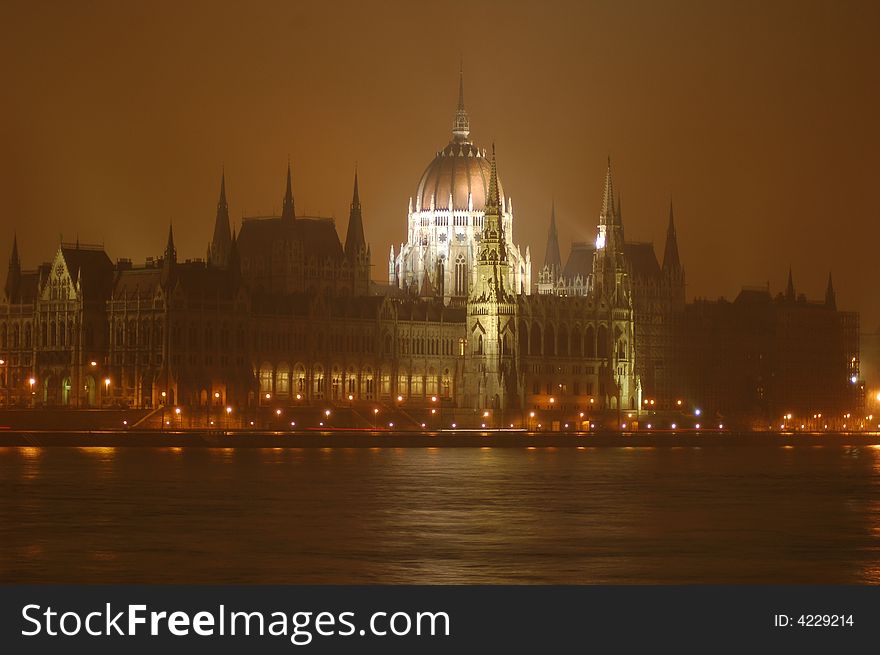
column 442, row 515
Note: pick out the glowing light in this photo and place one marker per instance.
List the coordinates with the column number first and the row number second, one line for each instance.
column 91, row 363
column 485, row 414
column 400, row 399
column 177, row 410
column 698, row 426
column 299, row 396
column 423, row 425
column 552, row 400
column 649, row 426
column 600, row 241
column 32, row 381
column 678, row 402
column 674, row 426
column 277, row 412
column 229, row 410
column 531, row 414
column 126, row 423
column 375, row 410
column 350, row 397
column 453, row 425
column 293, row 424
column 391, row 425
column 268, row 396
column 433, row 399
column 698, row 411
column 326, row 412
column 216, row 394
column 721, row 426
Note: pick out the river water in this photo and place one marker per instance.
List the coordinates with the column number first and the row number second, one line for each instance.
column 455, row 515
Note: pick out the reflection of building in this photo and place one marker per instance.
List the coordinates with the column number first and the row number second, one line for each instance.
column 765, row 357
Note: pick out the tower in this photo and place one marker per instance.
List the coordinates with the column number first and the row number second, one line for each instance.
column 491, row 378
column 672, row 269
column 357, row 252
column 169, row 261
column 13, row 277
column 218, row 252
column 612, row 293
column 287, row 208
column 830, row 296
column 789, row 288
column 552, row 259
column 609, row 262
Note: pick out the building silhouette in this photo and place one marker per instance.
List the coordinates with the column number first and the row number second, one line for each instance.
column 283, row 313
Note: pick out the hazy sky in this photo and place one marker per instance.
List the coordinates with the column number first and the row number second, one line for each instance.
column 759, row 119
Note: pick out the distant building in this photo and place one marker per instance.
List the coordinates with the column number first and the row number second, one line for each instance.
column 761, row 358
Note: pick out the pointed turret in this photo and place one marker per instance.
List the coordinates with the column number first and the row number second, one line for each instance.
column 789, row 288
column 552, row 258
column 830, row 296
column 461, row 126
column 671, row 262
column 234, row 265
column 169, row 262
column 13, row 277
column 287, row 211
column 221, row 242
column 355, row 243
column 608, row 197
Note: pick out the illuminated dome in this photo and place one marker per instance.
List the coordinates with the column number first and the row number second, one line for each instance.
column 460, row 169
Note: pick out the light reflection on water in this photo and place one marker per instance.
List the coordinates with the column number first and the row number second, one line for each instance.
column 441, row 515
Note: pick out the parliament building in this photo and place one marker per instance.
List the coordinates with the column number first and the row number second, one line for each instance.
column 283, row 312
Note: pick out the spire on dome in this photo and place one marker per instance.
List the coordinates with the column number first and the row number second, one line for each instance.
column 354, row 237
column 830, row 296
column 671, row 262
column 287, row 211
column 221, row 242
column 552, row 258
column 461, row 126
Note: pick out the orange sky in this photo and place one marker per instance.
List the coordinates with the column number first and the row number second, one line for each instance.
column 759, row 119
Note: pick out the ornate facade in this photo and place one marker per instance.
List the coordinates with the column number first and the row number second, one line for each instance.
column 445, row 223
column 658, row 298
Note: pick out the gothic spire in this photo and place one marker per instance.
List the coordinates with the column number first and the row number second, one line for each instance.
column 671, row 262
column 221, row 242
column 830, row 296
column 493, row 200
column 287, row 211
column 170, row 260
column 552, row 259
column 13, row 277
column 789, row 288
column 354, row 237
column 608, row 197
column 461, row 126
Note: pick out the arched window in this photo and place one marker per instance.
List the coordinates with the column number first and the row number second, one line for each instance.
column 602, row 342
column 590, row 342
column 461, row 282
column 577, row 343
column 523, row 339
column 549, row 342
column 563, row 341
column 535, row 344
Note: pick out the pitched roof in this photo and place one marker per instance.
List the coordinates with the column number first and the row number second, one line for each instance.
column 641, row 259
column 580, row 260
column 93, row 268
column 318, row 235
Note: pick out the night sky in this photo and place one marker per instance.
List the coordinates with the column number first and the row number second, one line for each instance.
column 760, row 120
